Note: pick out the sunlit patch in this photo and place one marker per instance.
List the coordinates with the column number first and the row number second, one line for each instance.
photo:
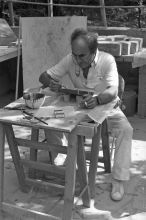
column 138, row 150
column 32, row 206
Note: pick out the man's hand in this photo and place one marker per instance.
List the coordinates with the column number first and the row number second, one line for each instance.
column 89, row 101
column 54, row 85
column 48, row 81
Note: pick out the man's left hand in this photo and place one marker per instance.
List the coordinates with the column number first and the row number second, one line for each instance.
column 89, row 101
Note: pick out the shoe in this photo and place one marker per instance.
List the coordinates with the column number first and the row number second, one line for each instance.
column 117, row 192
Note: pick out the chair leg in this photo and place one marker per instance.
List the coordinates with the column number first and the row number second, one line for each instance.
column 33, row 152
column 94, row 160
column 105, row 147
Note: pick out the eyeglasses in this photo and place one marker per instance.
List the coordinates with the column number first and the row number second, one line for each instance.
column 80, row 56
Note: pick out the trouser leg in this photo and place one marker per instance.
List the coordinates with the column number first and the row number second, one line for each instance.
column 122, row 130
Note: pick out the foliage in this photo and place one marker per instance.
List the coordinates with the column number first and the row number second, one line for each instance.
column 115, row 17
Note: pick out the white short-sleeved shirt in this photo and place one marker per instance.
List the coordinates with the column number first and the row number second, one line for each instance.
column 102, row 73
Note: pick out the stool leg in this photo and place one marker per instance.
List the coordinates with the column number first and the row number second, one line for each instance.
column 82, row 172
column 106, row 147
column 70, row 176
column 2, row 143
column 16, row 156
column 94, row 160
column 33, row 152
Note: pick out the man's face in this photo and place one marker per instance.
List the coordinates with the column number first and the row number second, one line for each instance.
column 81, row 53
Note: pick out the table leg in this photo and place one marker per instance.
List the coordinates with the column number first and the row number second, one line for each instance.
column 16, row 156
column 2, row 142
column 70, row 176
column 106, row 147
column 94, row 160
column 82, row 172
column 33, row 152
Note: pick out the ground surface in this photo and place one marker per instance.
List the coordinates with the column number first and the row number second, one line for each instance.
column 132, row 207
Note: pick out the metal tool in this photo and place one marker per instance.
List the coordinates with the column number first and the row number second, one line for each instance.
column 32, row 116
column 59, row 113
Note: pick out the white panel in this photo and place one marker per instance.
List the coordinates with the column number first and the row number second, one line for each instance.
column 45, row 40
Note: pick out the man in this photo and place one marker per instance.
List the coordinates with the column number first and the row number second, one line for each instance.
column 89, row 68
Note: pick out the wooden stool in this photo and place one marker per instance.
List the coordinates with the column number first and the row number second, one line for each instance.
column 75, row 158
column 93, row 154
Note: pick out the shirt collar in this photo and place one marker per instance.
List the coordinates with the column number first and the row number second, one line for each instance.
column 93, row 64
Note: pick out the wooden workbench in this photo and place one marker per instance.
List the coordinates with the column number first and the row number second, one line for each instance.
column 76, row 129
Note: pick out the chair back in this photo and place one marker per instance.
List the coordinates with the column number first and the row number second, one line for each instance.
column 121, row 87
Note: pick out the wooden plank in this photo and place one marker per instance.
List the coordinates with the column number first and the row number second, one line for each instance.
column 106, row 147
column 70, row 177
column 18, row 62
column 44, row 167
column 33, row 152
column 94, row 160
column 17, row 211
column 16, row 156
column 2, row 141
column 82, row 171
column 43, row 185
column 86, row 129
column 41, row 145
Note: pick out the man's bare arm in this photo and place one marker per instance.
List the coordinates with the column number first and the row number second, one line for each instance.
column 108, row 95
column 45, row 79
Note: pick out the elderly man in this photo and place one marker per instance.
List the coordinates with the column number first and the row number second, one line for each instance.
column 89, row 68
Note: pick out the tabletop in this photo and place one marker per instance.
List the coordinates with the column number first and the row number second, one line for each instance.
column 8, row 52
column 73, row 114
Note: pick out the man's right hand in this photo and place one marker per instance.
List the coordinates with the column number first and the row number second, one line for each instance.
column 48, row 81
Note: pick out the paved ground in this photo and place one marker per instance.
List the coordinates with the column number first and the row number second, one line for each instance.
column 132, row 207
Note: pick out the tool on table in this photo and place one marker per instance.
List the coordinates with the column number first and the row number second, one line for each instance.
column 32, row 116
column 67, row 91
column 59, row 113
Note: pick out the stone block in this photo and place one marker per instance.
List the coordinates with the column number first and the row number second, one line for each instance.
column 134, row 48
column 119, row 37
column 139, row 40
column 125, row 47
column 111, row 47
column 105, row 38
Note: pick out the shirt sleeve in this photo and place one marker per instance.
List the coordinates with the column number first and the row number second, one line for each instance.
column 60, row 69
column 110, row 72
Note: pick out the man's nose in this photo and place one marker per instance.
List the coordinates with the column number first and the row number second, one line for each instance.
column 78, row 58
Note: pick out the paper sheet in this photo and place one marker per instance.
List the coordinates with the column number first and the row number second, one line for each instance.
column 99, row 113
column 48, row 111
